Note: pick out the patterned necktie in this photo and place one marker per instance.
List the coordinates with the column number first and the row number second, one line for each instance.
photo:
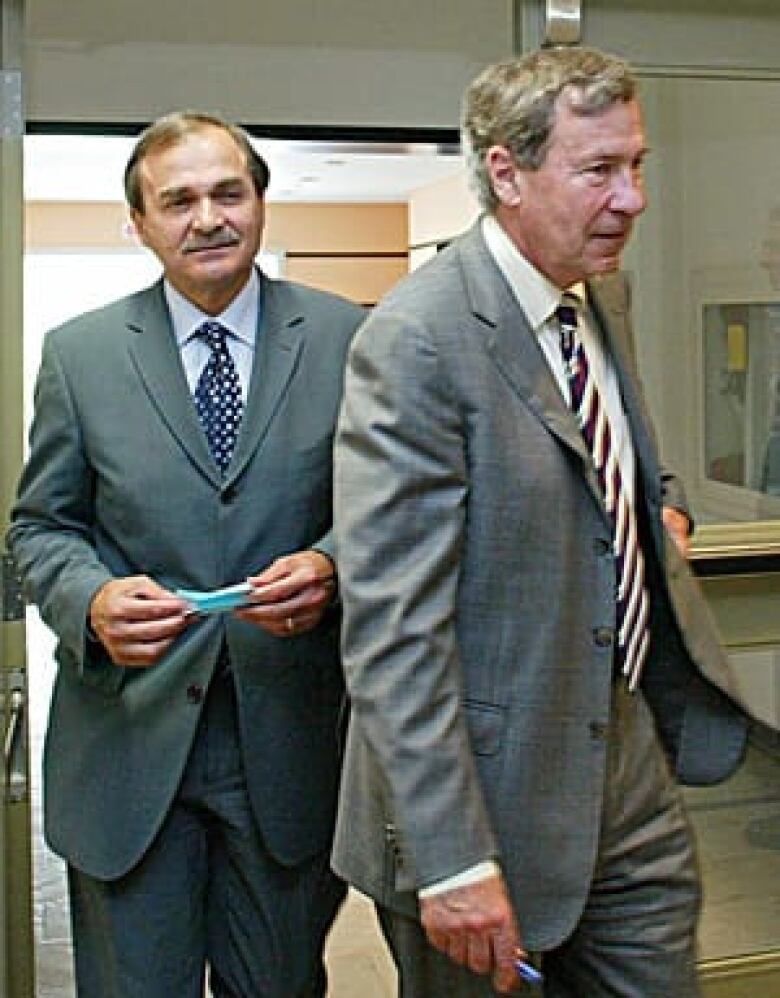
column 218, row 395
column 632, row 599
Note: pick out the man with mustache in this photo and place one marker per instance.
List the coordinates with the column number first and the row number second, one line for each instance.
column 182, row 440
column 520, row 625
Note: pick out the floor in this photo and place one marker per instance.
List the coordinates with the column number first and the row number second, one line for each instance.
column 737, row 824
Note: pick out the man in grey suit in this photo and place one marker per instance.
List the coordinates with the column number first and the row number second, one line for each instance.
column 192, row 759
column 520, row 625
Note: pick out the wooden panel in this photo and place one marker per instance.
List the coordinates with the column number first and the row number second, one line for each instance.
column 294, row 228
column 346, row 241
column 69, row 224
column 337, row 228
column 363, row 279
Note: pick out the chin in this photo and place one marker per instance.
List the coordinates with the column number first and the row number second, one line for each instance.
column 606, row 265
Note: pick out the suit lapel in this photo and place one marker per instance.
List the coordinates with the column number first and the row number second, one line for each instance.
column 516, row 351
column 278, row 347
column 155, row 354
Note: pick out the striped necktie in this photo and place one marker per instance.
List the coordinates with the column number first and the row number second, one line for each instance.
column 632, row 599
column 218, row 395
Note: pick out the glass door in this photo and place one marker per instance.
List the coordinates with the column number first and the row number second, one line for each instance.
column 16, row 949
column 704, row 267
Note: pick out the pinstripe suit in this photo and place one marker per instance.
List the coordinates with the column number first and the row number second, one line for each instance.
column 478, row 588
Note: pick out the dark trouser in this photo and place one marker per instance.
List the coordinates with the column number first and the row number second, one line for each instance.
column 207, row 891
column 636, row 935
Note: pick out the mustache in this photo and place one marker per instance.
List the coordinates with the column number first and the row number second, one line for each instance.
column 213, row 240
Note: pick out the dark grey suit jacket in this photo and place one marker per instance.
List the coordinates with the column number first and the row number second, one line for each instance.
column 120, row 482
column 478, row 589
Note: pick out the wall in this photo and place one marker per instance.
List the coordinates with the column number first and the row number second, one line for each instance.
column 357, row 250
column 440, row 211
column 300, row 62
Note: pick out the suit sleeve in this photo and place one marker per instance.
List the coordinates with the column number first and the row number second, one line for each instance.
column 400, row 500
column 52, row 523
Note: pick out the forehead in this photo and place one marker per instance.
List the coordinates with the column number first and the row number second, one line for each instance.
column 205, row 156
column 618, row 130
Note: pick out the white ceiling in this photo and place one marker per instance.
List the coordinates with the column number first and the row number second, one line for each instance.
column 89, row 168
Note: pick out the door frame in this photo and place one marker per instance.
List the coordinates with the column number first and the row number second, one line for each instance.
column 17, row 954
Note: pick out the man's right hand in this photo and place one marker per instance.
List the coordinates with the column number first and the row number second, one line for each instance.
column 136, row 620
column 476, row 927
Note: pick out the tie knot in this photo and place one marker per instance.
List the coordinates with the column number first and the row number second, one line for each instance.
column 214, row 334
column 566, row 312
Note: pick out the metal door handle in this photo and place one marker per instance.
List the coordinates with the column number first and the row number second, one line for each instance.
column 14, row 746
column 563, row 22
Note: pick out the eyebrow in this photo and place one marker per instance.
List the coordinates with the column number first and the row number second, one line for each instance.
column 171, row 193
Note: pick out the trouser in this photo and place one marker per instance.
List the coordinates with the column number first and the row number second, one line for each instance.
column 207, row 892
column 636, row 935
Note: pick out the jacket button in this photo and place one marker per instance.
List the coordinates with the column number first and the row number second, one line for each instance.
column 598, row 730
column 603, row 637
column 228, row 494
column 194, row 693
column 601, row 547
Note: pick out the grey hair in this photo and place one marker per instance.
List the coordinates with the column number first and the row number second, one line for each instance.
column 513, row 104
column 169, row 131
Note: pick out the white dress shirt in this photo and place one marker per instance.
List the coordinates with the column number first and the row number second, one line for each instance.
column 539, row 298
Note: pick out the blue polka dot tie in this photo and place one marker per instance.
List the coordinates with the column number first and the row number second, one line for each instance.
column 633, row 604
column 218, row 395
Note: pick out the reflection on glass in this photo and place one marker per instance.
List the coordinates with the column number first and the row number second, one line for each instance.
column 742, row 395
column 705, row 276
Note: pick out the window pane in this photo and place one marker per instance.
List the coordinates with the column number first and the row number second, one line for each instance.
column 705, row 267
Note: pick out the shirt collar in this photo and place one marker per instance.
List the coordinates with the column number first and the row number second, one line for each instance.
column 537, row 294
column 239, row 318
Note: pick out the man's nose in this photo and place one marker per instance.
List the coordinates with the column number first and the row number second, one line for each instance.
column 630, row 196
column 206, row 215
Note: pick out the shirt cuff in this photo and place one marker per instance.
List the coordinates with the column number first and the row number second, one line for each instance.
column 482, row 871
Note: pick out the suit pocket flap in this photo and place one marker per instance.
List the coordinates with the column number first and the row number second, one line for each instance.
column 486, row 727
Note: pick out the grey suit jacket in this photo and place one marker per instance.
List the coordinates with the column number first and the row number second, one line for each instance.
column 120, row 482
column 478, row 590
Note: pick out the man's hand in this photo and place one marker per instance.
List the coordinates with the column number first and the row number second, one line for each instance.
column 475, row 926
column 679, row 528
column 292, row 594
column 136, row 620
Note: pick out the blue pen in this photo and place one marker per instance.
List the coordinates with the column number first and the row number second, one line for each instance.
column 529, row 973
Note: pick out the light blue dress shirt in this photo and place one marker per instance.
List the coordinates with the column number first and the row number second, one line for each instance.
column 240, row 319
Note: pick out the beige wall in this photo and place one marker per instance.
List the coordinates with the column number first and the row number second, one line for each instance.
column 439, row 212
column 357, row 250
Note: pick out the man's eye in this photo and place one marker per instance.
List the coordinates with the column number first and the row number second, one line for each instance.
column 599, row 170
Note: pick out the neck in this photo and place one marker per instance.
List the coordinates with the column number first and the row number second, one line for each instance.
column 214, row 300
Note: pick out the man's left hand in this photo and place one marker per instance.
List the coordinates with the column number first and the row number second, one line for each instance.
column 679, row 528
column 291, row 595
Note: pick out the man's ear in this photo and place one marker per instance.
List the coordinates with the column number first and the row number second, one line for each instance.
column 505, row 178
column 134, row 226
